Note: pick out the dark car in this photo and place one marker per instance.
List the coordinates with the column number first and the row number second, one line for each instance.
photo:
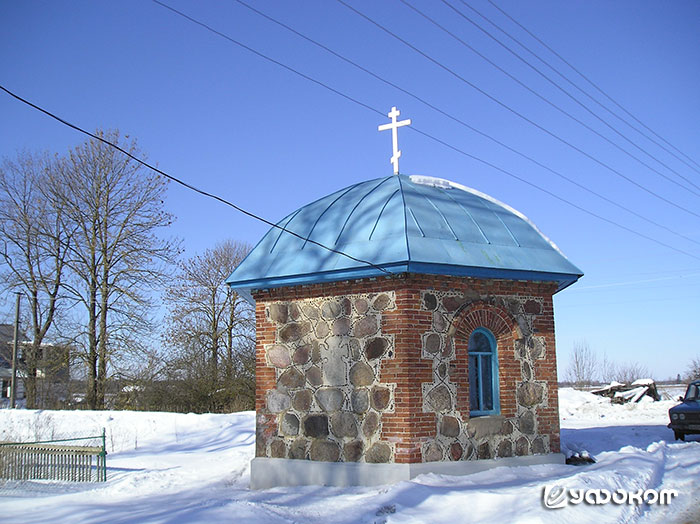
column 685, row 417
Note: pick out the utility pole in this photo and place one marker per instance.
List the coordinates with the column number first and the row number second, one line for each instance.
column 13, row 382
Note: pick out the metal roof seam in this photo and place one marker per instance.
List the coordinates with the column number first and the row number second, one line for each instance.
column 343, row 193
column 415, row 221
column 356, row 206
column 405, row 218
column 440, row 213
column 289, row 218
column 381, row 212
column 488, row 204
column 466, row 212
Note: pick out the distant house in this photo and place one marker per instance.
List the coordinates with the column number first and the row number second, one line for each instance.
column 53, row 370
column 6, row 338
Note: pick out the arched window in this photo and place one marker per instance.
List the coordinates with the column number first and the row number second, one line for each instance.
column 483, row 373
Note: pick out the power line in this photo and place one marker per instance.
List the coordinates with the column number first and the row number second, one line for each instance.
column 664, row 272
column 568, row 94
column 462, row 122
column 269, row 59
column 517, row 113
column 635, row 282
column 187, row 185
column 504, row 171
column 573, row 84
column 347, row 97
column 599, row 303
column 598, row 88
column 415, row 129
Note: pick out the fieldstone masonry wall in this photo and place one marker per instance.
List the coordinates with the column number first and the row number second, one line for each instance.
column 328, row 400
column 512, row 320
column 375, row 370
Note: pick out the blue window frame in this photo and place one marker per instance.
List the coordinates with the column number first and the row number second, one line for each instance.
column 483, row 373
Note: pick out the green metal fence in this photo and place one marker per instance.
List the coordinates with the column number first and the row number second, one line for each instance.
column 54, row 460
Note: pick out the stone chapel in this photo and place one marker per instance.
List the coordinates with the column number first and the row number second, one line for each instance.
column 430, row 348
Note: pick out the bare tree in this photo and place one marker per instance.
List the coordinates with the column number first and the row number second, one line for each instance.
column 625, row 373
column 631, row 371
column 583, row 364
column 693, row 371
column 211, row 328
column 35, row 245
column 608, row 369
column 117, row 257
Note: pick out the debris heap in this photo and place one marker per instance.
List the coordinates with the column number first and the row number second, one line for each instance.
column 623, row 393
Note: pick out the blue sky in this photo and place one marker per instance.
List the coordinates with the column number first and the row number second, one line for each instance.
column 218, row 116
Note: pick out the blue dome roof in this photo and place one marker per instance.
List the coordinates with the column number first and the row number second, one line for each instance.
column 403, row 224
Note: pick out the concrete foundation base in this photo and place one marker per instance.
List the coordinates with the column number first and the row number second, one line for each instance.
column 272, row 472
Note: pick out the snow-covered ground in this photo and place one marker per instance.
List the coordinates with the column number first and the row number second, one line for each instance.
column 176, row 468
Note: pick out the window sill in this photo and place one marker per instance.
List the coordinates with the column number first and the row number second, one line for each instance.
column 485, row 425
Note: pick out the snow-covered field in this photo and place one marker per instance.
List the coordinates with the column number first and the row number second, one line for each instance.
column 176, row 468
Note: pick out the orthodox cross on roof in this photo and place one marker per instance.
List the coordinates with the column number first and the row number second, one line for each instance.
column 394, row 126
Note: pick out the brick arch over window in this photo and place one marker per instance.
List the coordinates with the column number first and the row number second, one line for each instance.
column 506, row 331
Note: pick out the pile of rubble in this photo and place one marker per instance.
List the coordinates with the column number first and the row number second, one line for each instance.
column 623, row 393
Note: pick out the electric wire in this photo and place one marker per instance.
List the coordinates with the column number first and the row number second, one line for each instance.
column 347, row 97
column 577, row 87
column 592, row 83
column 637, row 282
column 567, row 93
column 517, row 113
column 562, row 199
column 427, row 135
column 268, row 58
column 465, row 124
column 598, row 303
column 186, row 184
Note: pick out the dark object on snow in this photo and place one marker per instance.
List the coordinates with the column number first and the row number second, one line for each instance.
column 386, row 510
column 623, row 393
column 685, row 417
column 580, row 460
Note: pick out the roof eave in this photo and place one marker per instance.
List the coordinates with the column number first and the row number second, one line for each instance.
column 245, row 287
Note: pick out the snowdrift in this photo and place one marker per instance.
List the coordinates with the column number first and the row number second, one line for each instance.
column 172, row 468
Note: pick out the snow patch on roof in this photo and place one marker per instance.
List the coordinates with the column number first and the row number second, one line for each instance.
column 448, row 184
